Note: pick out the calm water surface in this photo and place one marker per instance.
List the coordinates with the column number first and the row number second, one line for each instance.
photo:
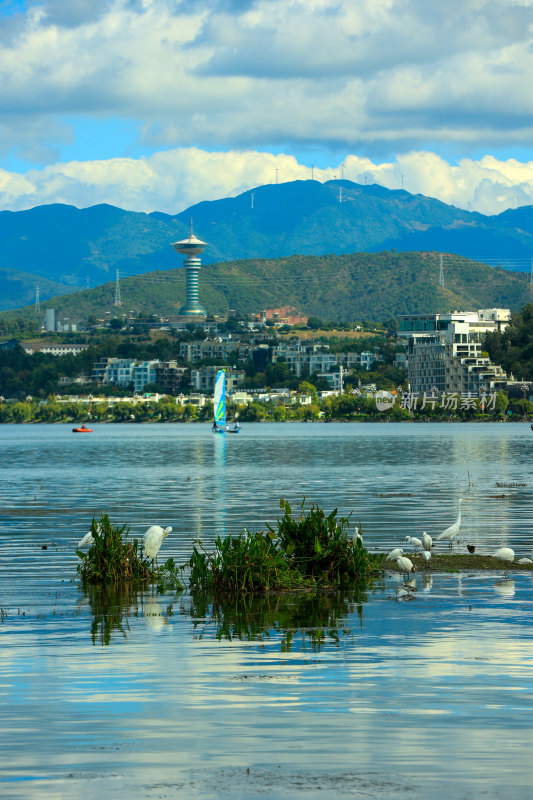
column 345, row 696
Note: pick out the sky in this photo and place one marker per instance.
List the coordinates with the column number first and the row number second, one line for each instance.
column 159, row 104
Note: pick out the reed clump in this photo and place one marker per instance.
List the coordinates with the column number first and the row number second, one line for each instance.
column 308, row 550
column 115, row 559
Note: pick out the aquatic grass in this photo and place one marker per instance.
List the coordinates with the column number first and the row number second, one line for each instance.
column 321, row 546
column 313, row 549
column 114, row 559
column 249, row 562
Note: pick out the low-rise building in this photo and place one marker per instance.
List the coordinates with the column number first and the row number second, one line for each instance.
column 54, row 349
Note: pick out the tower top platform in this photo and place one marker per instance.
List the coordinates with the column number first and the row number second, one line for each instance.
column 191, row 246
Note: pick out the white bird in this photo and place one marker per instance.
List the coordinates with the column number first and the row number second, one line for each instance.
column 524, row 561
column 405, row 565
column 504, row 554
column 414, row 541
column 88, row 539
column 426, row 555
column 451, row 532
column 427, row 542
column 394, row 554
column 153, row 539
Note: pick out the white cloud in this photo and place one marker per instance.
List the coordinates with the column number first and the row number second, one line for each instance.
column 383, row 75
column 172, row 180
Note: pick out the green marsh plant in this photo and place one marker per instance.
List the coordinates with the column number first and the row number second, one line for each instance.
column 305, row 551
column 115, row 559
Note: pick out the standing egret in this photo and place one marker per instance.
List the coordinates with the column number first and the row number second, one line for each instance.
column 504, row 554
column 427, row 542
column 417, row 543
column 451, row 532
column 88, row 539
column 426, row 555
column 394, row 554
column 405, row 565
column 153, row 539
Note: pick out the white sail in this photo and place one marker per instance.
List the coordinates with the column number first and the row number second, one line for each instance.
column 219, row 399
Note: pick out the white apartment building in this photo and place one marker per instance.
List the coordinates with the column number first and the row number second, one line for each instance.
column 210, row 348
column 124, row 371
column 444, row 351
column 203, row 379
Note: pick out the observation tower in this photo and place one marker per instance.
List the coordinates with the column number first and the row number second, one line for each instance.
column 191, row 247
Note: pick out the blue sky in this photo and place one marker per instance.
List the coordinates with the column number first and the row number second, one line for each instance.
column 157, row 104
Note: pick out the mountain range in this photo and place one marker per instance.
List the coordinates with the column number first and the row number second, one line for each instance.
column 61, row 248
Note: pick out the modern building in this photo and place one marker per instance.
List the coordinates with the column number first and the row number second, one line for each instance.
column 444, row 351
column 169, row 375
column 50, row 319
column 203, row 380
column 191, row 247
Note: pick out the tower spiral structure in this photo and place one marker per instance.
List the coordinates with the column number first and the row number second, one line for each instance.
column 191, row 247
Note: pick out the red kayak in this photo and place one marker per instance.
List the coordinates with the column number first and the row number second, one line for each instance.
column 82, row 429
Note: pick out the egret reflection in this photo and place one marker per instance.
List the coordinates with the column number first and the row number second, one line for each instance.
column 114, row 607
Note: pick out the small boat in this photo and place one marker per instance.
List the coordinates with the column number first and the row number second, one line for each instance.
column 82, row 429
column 219, row 406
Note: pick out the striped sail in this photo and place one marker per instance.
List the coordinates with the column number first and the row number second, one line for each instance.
column 219, row 400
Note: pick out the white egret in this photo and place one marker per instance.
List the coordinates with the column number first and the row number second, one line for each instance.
column 524, row 561
column 88, row 539
column 405, row 565
column 451, row 532
column 426, row 555
column 394, row 554
column 427, row 542
column 504, row 554
column 153, row 539
column 417, row 543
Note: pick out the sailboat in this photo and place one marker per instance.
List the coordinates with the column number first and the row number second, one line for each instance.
column 219, row 405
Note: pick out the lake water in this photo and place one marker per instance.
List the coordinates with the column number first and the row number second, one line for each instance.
column 146, row 696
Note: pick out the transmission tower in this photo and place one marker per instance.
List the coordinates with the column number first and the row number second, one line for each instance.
column 118, row 301
column 441, row 273
column 37, row 301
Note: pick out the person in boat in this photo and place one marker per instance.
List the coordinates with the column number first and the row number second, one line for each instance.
column 237, row 426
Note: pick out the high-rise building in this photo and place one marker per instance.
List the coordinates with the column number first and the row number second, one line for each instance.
column 50, row 319
column 191, row 247
column 444, row 351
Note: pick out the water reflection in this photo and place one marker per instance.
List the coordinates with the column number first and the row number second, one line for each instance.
column 113, row 607
column 301, row 621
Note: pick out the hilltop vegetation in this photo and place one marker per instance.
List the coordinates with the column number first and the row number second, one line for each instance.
column 372, row 286
column 59, row 245
column 513, row 349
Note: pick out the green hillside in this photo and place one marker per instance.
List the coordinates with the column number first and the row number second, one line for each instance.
column 371, row 286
